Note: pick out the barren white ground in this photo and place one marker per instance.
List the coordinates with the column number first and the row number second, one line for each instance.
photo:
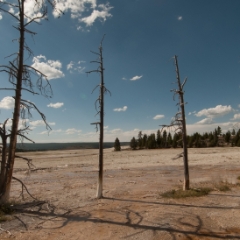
column 132, row 207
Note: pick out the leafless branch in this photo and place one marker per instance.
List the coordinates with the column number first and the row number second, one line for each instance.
column 29, row 104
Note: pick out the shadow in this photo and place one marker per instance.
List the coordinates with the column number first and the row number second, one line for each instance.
column 22, row 222
column 131, row 219
column 169, row 204
column 224, row 195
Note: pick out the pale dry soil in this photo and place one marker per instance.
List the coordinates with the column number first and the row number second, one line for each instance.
column 132, row 207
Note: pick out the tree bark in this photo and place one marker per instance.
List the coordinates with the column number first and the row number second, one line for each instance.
column 5, row 190
column 184, row 130
column 100, row 175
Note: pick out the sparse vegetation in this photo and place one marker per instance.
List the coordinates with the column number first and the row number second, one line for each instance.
column 5, row 211
column 238, row 177
column 196, row 192
column 223, row 188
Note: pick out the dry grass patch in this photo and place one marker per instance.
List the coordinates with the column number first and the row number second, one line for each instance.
column 223, row 187
column 195, row 192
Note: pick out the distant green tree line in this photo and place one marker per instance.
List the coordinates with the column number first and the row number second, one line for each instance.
column 165, row 139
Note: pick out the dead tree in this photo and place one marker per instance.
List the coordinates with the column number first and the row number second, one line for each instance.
column 20, row 76
column 179, row 125
column 99, row 105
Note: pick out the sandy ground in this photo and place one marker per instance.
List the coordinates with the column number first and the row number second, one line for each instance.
column 132, row 207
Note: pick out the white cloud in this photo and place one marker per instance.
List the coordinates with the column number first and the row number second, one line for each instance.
column 105, row 127
column 123, row 109
column 103, row 14
column 7, row 103
column 21, row 124
column 136, row 78
column 70, row 65
column 179, row 18
column 190, row 113
column 0, row 16
column 124, row 78
column 76, row 67
column 32, row 9
column 39, row 123
column 78, row 7
column 218, row 111
column 205, row 121
column 158, row 117
column 78, row 10
column 75, row 7
column 236, row 117
column 55, row 105
column 72, row 131
column 11, row 10
column 51, row 132
column 117, row 130
column 51, row 68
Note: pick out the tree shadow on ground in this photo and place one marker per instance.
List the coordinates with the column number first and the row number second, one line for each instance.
column 187, row 228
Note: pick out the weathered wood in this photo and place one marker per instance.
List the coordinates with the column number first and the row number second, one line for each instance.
column 100, row 100
column 179, row 125
column 183, row 123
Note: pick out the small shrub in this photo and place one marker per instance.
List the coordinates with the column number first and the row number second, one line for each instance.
column 187, row 193
column 238, row 177
column 223, row 188
column 5, row 209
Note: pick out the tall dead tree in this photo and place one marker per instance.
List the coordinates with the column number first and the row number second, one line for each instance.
column 20, row 77
column 179, row 124
column 100, row 111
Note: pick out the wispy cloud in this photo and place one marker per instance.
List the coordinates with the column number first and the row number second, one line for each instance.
column 39, row 123
column 217, row 111
column 7, row 103
column 0, row 16
column 69, row 131
column 72, row 131
column 158, row 117
column 51, row 132
column 123, row 109
column 51, row 68
column 206, row 121
column 190, row 113
column 103, row 14
column 136, row 78
column 124, row 78
column 55, row 105
column 76, row 67
column 180, row 18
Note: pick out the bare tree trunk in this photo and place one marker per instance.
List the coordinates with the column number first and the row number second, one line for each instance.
column 100, row 175
column 16, row 115
column 19, row 74
column 101, row 123
column 4, row 161
column 184, row 130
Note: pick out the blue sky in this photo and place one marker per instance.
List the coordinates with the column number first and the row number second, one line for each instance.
column 141, row 39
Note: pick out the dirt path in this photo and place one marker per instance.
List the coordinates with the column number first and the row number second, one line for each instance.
column 132, row 207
